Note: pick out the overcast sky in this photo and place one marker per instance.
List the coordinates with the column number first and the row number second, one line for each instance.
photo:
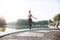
column 12, row 10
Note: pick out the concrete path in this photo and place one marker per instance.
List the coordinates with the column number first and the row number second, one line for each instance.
column 9, row 30
column 34, row 35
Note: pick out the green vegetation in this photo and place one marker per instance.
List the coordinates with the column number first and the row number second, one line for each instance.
column 56, row 17
column 50, row 21
column 40, row 26
column 23, row 24
column 33, row 26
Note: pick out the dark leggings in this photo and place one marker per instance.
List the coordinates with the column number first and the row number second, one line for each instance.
column 30, row 23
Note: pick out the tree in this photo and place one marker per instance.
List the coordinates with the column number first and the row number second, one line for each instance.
column 56, row 17
column 50, row 21
column 22, row 22
column 2, row 24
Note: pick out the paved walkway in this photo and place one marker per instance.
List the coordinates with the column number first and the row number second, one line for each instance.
column 9, row 30
column 34, row 35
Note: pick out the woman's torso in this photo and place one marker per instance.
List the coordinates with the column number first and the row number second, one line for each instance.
column 29, row 16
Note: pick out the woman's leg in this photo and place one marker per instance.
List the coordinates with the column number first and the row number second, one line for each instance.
column 30, row 23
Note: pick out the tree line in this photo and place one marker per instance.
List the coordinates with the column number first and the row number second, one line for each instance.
column 25, row 22
column 44, row 22
column 55, row 18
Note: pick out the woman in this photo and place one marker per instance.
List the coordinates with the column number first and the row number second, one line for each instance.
column 30, row 19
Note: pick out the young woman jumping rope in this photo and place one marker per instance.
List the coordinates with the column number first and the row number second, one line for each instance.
column 30, row 16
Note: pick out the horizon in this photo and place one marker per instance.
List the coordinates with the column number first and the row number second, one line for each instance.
column 12, row 10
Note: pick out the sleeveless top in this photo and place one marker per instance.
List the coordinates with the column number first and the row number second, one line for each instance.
column 30, row 15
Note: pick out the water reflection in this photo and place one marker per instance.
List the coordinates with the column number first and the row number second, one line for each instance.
column 2, row 29
column 11, row 30
column 7, row 31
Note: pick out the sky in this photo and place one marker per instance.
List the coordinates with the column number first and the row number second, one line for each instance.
column 12, row 10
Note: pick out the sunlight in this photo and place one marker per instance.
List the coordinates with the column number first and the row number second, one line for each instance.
column 12, row 10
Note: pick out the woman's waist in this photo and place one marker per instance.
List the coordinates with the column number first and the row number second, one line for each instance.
column 29, row 17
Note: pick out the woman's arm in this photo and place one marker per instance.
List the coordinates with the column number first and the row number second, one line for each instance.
column 34, row 17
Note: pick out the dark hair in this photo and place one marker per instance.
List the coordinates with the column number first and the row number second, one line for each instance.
column 29, row 11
